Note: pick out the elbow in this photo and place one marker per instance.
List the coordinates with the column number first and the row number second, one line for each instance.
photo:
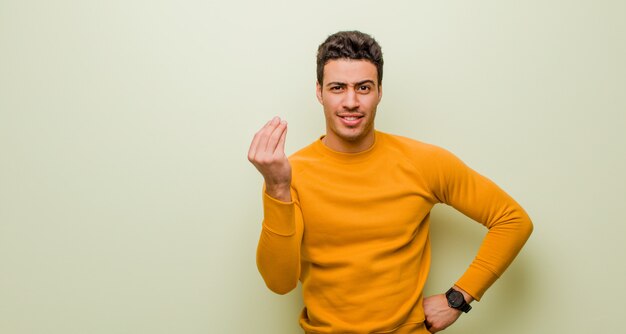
column 516, row 223
column 279, row 274
column 528, row 228
column 527, row 225
column 523, row 228
column 278, row 281
column 281, row 289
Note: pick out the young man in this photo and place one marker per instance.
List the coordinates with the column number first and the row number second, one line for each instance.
column 348, row 215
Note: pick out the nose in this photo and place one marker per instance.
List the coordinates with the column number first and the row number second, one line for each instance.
column 351, row 100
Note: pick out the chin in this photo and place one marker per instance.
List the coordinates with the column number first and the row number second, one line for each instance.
column 351, row 136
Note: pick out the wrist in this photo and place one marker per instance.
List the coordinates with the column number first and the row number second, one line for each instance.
column 458, row 299
column 468, row 298
column 280, row 192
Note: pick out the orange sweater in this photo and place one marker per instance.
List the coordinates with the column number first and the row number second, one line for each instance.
column 356, row 233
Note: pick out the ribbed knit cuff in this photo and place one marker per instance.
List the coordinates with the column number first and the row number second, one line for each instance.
column 278, row 216
column 476, row 281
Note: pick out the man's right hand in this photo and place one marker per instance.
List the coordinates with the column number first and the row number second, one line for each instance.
column 267, row 154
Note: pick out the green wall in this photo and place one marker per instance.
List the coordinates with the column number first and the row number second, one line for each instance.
column 127, row 204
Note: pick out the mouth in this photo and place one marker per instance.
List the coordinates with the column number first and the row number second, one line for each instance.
column 351, row 120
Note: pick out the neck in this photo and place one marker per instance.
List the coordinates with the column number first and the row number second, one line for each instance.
column 346, row 146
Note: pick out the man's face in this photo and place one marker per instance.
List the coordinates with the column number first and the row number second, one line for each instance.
column 350, row 94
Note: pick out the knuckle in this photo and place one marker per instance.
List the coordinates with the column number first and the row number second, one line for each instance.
column 265, row 160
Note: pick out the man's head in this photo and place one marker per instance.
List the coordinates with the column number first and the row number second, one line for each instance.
column 349, row 74
column 349, row 45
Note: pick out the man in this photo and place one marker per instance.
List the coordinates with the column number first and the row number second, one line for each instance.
column 348, row 215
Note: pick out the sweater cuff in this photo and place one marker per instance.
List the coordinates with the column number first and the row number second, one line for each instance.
column 476, row 281
column 278, row 216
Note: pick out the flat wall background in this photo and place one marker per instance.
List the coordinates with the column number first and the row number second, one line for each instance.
column 127, row 204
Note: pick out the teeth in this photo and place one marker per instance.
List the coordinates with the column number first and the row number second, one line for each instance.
column 350, row 118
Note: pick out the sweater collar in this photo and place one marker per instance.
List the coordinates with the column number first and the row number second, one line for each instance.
column 349, row 157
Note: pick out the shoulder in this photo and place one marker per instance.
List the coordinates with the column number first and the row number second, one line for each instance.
column 412, row 148
column 431, row 161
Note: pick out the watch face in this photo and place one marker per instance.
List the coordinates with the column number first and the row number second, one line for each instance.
column 455, row 298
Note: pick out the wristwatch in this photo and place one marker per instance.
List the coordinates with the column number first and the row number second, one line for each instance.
column 457, row 301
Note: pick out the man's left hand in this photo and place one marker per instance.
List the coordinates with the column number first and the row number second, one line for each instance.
column 439, row 315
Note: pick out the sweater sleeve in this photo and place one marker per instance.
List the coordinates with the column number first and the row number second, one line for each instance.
column 482, row 200
column 278, row 251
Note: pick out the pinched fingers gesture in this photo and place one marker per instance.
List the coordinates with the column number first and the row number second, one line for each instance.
column 267, row 154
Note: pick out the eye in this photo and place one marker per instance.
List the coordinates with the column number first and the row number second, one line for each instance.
column 336, row 88
column 364, row 89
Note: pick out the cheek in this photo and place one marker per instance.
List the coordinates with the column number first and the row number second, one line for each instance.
column 372, row 103
column 328, row 111
column 329, row 104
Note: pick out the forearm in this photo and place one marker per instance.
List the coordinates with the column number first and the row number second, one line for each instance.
column 278, row 252
column 503, row 242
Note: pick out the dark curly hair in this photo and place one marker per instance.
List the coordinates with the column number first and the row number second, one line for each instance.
column 350, row 45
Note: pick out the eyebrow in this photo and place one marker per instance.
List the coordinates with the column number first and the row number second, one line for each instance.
column 355, row 84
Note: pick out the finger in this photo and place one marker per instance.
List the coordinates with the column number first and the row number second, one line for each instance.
column 262, row 137
column 274, row 138
column 266, row 136
column 280, row 148
column 253, row 146
column 255, row 142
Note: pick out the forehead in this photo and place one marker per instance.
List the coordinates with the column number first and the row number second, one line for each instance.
column 349, row 71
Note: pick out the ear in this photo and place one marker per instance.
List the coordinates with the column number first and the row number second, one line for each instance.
column 318, row 92
column 380, row 93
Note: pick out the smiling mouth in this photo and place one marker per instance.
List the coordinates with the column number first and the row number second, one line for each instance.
column 351, row 121
column 351, row 117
